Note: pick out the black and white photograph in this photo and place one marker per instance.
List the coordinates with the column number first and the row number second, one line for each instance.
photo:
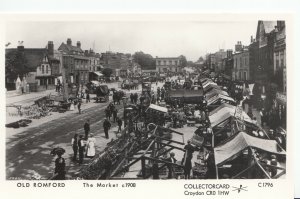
column 128, row 100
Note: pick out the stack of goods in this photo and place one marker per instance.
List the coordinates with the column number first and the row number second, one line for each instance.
column 35, row 112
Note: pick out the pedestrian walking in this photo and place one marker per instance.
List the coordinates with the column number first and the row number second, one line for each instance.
column 135, row 97
column 189, row 150
column 86, row 128
column 81, row 149
column 91, row 150
column 87, row 97
column 115, row 114
column 120, row 122
column 106, row 126
column 108, row 113
column 74, row 143
column 79, row 107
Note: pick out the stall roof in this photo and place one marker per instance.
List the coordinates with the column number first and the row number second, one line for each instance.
column 217, row 97
column 158, row 108
column 179, row 93
column 97, row 73
column 229, row 150
column 211, row 86
column 95, row 82
column 216, row 91
column 223, row 112
column 207, row 83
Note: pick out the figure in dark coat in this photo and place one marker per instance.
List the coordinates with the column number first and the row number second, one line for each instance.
column 106, row 126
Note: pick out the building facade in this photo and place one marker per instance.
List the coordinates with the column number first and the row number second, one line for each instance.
column 241, row 66
column 75, row 63
column 265, row 39
column 35, row 66
column 280, row 55
column 219, row 57
column 168, row 64
column 115, row 61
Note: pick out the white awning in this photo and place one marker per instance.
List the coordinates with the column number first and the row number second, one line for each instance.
column 158, row 108
column 97, row 73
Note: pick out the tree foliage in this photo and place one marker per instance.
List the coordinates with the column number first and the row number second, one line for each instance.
column 146, row 61
column 107, row 72
column 16, row 65
column 183, row 60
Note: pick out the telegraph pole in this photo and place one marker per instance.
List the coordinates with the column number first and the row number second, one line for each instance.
column 65, row 83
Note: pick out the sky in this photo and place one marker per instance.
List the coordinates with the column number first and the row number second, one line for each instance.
column 163, row 39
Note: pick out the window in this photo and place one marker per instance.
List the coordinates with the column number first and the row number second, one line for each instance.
column 176, row 63
column 43, row 69
column 164, row 62
column 245, row 75
column 46, row 69
column 241, row 62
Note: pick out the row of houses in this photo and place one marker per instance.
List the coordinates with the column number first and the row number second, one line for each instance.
column 263, row 60
column 43, row 68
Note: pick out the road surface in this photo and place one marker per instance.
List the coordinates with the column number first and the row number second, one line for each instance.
column 28, row 153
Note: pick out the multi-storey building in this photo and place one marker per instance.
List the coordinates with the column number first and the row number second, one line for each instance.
column 168, row 64
column 265, row 39
column 76, row 65
column 280, row 53
column 115, row 61
column 219, row 56
column 241, row 65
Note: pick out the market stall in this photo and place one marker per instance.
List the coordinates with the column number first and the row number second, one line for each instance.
column 245, row 156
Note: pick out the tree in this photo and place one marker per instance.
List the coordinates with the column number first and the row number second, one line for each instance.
column 15, row 65
column 146, row 61
column 183, row 60
column 107, row 72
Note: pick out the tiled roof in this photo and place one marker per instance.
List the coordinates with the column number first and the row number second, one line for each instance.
column 70, row 48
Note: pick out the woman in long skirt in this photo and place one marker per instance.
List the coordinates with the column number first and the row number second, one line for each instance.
column 91, row 150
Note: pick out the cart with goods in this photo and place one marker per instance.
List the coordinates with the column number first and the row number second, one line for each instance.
column 102, row 93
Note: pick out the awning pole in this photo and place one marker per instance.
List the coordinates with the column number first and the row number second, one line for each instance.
column 217, row 172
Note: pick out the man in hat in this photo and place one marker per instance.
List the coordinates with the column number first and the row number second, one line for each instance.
column 106, row 126
column 120, row 122
column 274, row 162
column 189, row 150
column 86, row 127
column 74, row 143
column 171, row 159
column 81, row 149
column 271, row 134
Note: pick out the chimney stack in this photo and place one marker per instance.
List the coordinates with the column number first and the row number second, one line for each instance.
column 78, row 44
column 69, row 41
column 20, row 46
column 50, row 48
column 229, row 54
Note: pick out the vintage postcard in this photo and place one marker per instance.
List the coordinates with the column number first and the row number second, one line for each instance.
column 182, row 106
